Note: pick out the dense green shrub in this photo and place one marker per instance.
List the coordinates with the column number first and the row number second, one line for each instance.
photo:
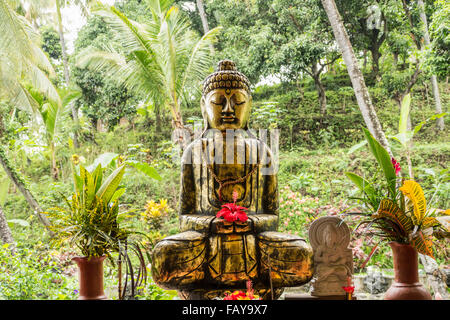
column 26, row 275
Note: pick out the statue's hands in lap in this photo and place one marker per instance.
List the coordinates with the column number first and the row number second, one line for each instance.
column 219, row 225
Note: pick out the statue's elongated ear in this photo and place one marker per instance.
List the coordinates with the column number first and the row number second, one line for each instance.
column 250, row 100
column 205, row 118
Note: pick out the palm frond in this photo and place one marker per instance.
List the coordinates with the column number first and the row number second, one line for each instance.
column 200, row 59
column 130, row 34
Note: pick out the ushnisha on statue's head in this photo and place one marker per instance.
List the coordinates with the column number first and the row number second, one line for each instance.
column 226, row 99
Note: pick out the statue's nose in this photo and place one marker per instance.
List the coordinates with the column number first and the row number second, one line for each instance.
column 228, row 108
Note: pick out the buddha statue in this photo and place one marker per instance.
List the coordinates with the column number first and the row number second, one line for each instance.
column 227, row 164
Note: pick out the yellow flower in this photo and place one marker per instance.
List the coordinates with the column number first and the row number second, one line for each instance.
column 155, row 212
column 75, row 159
column 163, row 204
column 150, row 204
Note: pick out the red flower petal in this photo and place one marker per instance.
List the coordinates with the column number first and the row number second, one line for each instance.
column 349, row 289
column 222, row 213
column 242, row 216
column 231, row 212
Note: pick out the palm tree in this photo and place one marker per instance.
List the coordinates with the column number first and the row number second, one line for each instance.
column 161, row 60
column 36, row 9
column 22, row 62
column 49, row 115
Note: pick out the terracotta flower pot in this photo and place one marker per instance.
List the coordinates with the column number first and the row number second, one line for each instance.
column 91, row 278
column 406, row 285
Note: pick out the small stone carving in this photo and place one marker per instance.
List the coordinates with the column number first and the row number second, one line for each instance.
column 375, row 282
column 333, row 260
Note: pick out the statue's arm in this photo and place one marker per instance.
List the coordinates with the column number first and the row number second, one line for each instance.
column 196, row 222
column 189, row 220
column 268, row 219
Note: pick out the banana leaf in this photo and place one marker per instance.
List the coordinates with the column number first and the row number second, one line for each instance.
column 384, row 160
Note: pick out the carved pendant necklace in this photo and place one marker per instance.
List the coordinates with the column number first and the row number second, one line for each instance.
column 224, row 183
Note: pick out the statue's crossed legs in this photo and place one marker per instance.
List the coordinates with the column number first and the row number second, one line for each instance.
column 192, row 260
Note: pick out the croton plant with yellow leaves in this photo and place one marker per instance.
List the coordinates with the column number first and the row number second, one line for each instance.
column 397, row 207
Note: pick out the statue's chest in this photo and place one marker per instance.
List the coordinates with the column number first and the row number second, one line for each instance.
column 218, row 172
column 224, row 179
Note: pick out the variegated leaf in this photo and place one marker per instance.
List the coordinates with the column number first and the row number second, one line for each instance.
column 389, row 209
column 414, row 192
column 423, row 244
column 429, row 222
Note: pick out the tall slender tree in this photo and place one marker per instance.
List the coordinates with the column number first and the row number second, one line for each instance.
column 40, row 8
column 369, row 115
column 58, row 4
column 359, row 85
column 5, row 232
column 204, row 18
column 434, row 82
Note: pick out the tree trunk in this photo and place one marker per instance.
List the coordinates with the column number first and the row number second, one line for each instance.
column 320, row 90
column 376, row 62
column 54, row 167
column 202, row 13
column 20, row 184
column 395, row 54
column 66, row 70
column 157, row 119
column 434, row 83
column 359, row 86
column 5, row 231
column 365, row 60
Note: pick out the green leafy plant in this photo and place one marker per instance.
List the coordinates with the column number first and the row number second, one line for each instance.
column 91, row 222
column 28, row 274
column 397, row 208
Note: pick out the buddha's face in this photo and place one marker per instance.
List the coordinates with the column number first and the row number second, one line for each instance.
column 226, row 108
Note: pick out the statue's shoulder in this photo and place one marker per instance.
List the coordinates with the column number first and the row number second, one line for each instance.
column 195, row 143
column 260, row 144
column 194, row 146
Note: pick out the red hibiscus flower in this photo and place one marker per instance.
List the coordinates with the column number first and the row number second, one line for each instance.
column 396, row 166
column 232, row 212
column 349, row 289
column 240, row 295
column 237, row 295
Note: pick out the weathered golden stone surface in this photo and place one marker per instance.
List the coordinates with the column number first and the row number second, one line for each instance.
column 211, row 256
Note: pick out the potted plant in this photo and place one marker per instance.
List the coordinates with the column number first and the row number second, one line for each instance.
column 91, row 222
column 397, row 212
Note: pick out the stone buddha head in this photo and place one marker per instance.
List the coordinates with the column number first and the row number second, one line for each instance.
column 226, row 99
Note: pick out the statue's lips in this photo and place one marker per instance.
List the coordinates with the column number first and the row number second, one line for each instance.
column 228, row 118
